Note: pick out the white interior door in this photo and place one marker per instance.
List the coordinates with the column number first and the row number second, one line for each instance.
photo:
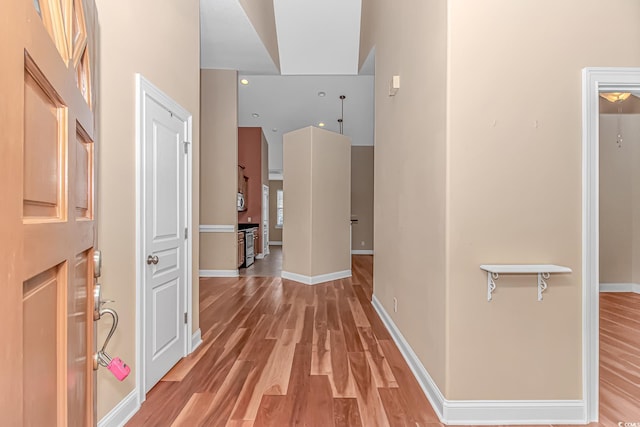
column 165, row 239
column 265, row 220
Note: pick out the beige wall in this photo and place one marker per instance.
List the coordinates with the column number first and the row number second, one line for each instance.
column 331, row 202
column 317, row 170
column 619, row 199
column 275, row 234
column 170, row 60
column 362, row 197
column 409, row 169
column 515, row 185
column 503, row 178
column 296, row 235
column 219, row 172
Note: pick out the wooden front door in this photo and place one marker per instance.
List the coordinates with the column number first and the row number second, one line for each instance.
column 47, row 216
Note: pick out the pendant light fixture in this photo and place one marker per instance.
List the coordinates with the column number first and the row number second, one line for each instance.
column 615, row 96
column 341, row 119
column 619, row 120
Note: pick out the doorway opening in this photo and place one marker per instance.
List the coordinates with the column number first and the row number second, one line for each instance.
column 596, row 81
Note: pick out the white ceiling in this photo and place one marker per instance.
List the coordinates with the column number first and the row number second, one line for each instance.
column 287, row 103
column 318, row 43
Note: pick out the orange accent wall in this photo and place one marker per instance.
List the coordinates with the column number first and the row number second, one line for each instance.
column 250, row 157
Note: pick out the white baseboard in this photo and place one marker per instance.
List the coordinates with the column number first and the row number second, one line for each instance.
column 620, row 287
column 482, row 412
column 361, row 252
column 219, row 273
column 196, row 340
column 274, row 243
column 314, row 280
column 427, row 384
column 122, row 412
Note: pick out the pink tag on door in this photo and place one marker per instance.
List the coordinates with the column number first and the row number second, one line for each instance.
column 118, row 368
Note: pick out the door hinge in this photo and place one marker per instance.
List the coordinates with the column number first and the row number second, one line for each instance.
column 186, row 147
column 186, row 233
column 185, row 317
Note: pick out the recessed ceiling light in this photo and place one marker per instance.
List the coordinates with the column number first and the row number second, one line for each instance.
column 274, row 130
column 321, row 94
column 321, row 124
column 255, row 115
column 244, row 81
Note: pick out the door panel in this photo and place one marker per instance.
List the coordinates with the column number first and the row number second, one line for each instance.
column 165, row 220
column 42, row 328
column 48, row 194
column 166, row 312
column 44, row 144
column 84, row 174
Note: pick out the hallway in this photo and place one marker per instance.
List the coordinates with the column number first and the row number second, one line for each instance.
column 278, row 353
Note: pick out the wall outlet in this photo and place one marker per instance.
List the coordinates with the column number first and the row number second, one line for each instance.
column 362, row 243
column 249, row 219
column 395, row 304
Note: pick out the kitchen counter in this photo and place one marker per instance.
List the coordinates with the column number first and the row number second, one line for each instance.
column 245, row 226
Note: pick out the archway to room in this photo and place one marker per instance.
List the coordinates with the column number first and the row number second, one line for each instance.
column 610, row 326
column 619, row 277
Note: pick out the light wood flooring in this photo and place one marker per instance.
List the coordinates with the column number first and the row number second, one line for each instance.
column 278, row 353
column 619, row 358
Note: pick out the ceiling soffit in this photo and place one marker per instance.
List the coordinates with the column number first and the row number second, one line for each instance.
column 262, row 17
column 318, row 37
column 229, row 40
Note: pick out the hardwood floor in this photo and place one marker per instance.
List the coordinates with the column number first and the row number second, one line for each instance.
column 279, row 353
column 619, row 358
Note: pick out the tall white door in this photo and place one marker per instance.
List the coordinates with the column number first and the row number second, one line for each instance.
column 265, row 220
column 164, row 239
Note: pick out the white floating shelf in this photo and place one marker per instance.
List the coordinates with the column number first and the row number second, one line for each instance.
column 542, row 270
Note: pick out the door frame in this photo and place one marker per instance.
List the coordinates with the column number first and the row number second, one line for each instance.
column 594, row 81
column 265, row 218
column 144, row 88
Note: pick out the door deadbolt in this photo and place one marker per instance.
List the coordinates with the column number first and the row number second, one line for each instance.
column 152, row 259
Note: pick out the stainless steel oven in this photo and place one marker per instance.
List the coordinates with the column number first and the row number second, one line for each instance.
column 249, row 252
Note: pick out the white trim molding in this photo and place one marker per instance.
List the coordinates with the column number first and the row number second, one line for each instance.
column 196, row 340
column 620, row 287
column 122, row 412
column 274, row 243
column 219, row 273
column 217, row 228
column 482, row 412
column 361, row 251
column 314, row 280
column 594, row 81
